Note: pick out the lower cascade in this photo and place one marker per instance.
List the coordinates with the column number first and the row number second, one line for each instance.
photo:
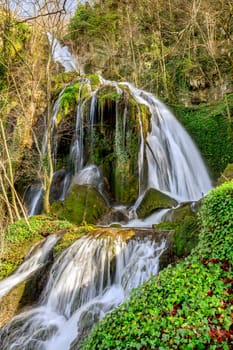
column 90, row 278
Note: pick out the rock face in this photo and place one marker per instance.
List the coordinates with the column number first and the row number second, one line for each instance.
column 82, row 204
column 109, row 128
column 153, row 200
column 58, row 183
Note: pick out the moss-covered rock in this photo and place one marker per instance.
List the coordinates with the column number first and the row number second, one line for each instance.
column 227, row 175
column 178, row 214
column 25, row 293
column 184, row 236
column 82, row 204
column 10, row 303
column 153, row 200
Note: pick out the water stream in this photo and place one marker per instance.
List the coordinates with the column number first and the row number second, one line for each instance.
column 168, row 160
column 96, row 273
column 89, row 279
column 35, row 260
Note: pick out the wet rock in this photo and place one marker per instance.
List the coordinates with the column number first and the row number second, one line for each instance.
column 153, row 200
column 58, row 183
column 116, row 216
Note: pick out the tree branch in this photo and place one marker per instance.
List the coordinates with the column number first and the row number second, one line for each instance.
column 60, row 11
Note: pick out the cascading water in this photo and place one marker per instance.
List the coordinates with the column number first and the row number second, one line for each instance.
column 138, row 144
column 34, row 196
column 62, row 55
column 105, row 136
column 167, row 158
column 37, row 257
column 174, row 163
column 89, row 279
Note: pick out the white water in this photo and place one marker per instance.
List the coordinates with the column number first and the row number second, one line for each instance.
column 62, row 55
column 88, row 280
column 37, row 257
column 174, row 164
column 35, row 201
column 152, row 219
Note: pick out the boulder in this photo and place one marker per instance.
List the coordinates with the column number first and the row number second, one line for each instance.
column 83, row 203
column 153, row 200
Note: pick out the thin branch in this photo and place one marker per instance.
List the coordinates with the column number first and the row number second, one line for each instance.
column 60, row 11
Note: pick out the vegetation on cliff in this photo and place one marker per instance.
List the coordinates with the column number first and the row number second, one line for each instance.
column 180, row 50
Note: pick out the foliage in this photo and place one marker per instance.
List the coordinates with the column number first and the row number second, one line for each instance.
column 212, row 131
column 216, row 216
column 38, row 226
column 188, row 306
column 14, row 37
column 176, row 49
column 92, row 23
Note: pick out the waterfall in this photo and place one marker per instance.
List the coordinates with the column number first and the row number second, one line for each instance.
column 62, row 55
column 34, row 195
column 167, row 159
column 174, row 163
column 88, row 279
column 107, row 132
column 35, row 260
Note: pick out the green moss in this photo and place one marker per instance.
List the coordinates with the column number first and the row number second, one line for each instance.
column 166, row 225
column 82, row 204
column 188, row 306
column 186, row 236
column 60, row 80
column 178, row 214
column 211, row 129
column 71, row 236
column 107, row 95
column 11, row 303
column 68, row 100
column 94, row 80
